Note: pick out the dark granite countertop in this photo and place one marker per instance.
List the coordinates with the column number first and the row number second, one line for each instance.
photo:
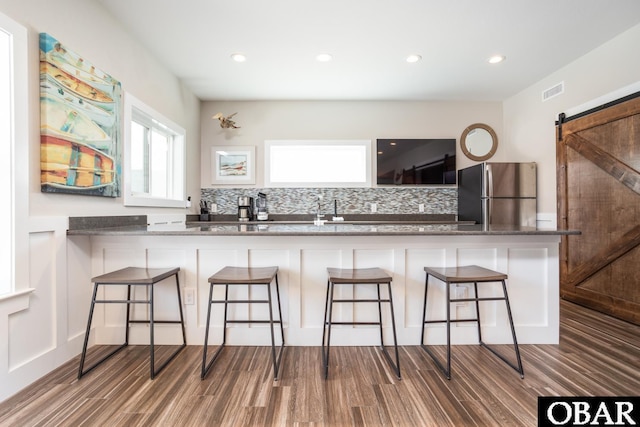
column 310, row 229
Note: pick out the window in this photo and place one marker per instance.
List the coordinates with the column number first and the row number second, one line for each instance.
column 318, row 163
column 14, row 163
column 6, row 113
column 154, row 161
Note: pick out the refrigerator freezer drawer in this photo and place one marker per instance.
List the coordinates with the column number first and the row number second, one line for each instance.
column 520, row 212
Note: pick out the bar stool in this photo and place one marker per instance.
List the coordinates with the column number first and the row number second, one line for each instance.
column 244, row 276
column 467, row 274
column 134, row 276
column 367, row 276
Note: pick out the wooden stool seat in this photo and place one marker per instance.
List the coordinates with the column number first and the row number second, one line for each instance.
column 134, row 276
column 244, row 275
column 467, row 274
column 228, row 276
column 368, row 276
column 358, row 275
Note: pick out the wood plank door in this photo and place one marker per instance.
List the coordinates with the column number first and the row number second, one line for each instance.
column 598, row 171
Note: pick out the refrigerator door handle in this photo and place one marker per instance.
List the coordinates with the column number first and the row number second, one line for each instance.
column 489, row 181
column 486, row 211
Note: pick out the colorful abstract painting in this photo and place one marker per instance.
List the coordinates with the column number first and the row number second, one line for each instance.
column 80, row 138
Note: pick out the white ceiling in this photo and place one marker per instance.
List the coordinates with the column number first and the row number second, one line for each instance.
column 369, row 40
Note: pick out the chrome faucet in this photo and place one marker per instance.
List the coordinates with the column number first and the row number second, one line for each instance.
column 319, row 214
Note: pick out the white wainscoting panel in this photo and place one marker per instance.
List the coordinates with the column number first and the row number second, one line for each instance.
column 531, row 263
column 39, row 337
column 313, row 286
column 416, row 261
column 38, row 332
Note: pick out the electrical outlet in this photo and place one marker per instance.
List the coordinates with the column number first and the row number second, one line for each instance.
column 214, row 208
column 374, row 207
column 421, row 208
column 189, row 296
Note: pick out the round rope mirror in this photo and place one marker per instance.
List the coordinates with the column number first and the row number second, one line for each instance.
column 479, row 142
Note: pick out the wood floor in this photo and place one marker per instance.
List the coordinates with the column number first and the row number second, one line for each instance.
column 597, row 355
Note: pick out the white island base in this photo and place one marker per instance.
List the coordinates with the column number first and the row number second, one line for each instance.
column 531, row 261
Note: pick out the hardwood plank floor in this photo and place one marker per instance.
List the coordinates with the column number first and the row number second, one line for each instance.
column 597, row 355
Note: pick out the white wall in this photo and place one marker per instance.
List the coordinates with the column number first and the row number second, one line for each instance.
column 264, row 120
column 42, row 329
column 89, row 30
column 529, row 123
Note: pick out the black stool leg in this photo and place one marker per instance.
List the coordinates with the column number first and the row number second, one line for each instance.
column 276, row 375
column 395, row 337
column 424, row 308
column 379, row 315
column 280, row 311
column 86, row 335
column 324, row 327
column 448, row 372
column 226, row 311
column 475, row 289
column 128, row 317
column 395, row 365
column 207, row 367
column 273, row 339
column 152, row 360
column 203, row 369
column 81, row 370
column 513, row 330
column 328, row 314
column 152, row 321
column 184, row 333
column 517, row 368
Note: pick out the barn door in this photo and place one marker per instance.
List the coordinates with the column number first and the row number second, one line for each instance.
column 598, row 167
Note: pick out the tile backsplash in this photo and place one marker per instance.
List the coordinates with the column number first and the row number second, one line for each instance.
column 388, row 200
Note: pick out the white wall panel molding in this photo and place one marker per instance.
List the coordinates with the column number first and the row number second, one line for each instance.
column 38, row 328
column 531, row 262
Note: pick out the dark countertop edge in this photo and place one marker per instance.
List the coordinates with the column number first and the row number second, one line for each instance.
column 326, row 222
column 136, row 225
column 139, row 231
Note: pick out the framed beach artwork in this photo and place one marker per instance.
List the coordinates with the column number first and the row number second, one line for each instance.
column 233, row 165
column 80, row 137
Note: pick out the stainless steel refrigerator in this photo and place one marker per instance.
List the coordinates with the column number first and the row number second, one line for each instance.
column 498, row 194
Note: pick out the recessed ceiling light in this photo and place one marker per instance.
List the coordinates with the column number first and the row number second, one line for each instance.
column 238, row 57
column 324, row 57
column 496, row 59
column 413, row 58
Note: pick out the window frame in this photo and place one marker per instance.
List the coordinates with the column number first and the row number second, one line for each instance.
column 326, row 147
column 137, row 111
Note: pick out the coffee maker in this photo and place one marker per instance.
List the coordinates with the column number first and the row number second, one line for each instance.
column 261, row 207
column 245, row 208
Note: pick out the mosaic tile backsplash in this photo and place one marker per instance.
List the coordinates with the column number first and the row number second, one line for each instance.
column 388, row 200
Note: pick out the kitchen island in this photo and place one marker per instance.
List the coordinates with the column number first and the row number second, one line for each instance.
column 304, row 250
